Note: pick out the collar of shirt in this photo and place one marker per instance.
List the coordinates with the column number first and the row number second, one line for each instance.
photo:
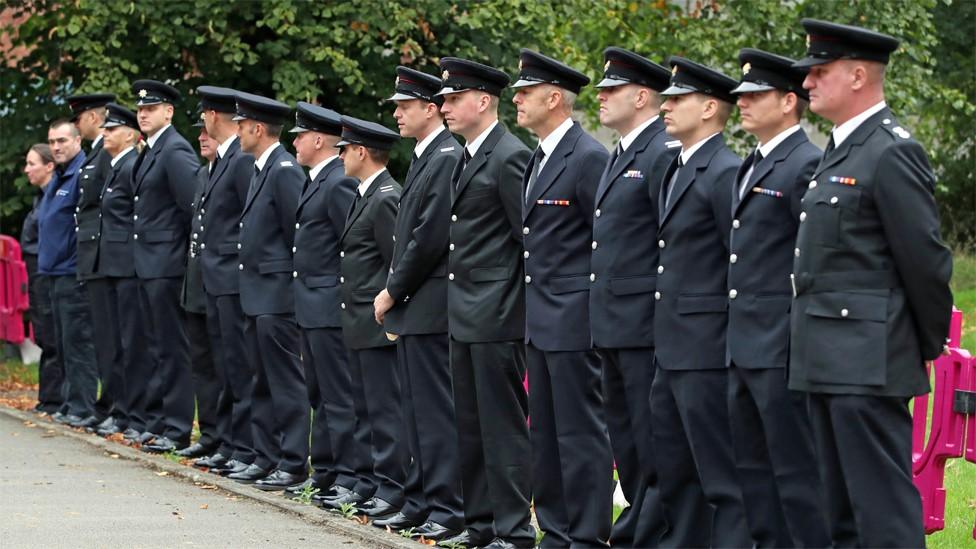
column 476, row 144
column 768, row 148
column 314, row 172
column 552, row 140
column 425, row 142
column 222, row 148
column 116, row 158
column 364, row 186
column 627, row 140
column 96, row 141
column 260, row 162
column 686, row 154
column 151, row 140
column 842, row 132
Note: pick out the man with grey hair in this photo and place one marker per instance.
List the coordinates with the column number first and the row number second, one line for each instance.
column 570, row 447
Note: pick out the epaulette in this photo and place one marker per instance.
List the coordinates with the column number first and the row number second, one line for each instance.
column 672, row 144
column 447, row 149
column 286, row 163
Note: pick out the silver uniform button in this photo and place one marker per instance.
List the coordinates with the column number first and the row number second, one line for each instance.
column 136, row 198
column 833, row 199
column 238, row 245
column 733, row 293
column 528, row 279
column 394, row 238
column 803, row 216
column 451, row 247
column 294, row 274
column 593, row 245
column 203, row 246
column 844, row 313
column 297, row 226
column 134, row 237
column 597, row 212
column 813, row 184
column 525, row 230
column 796, row 252
column 454, row 218
column 735, row 223
column 76, row 229
column 135, row 218
column 592, row 277
column 342, row 254
column 93, row 237
column 77, row 210
column 660, row 243
column 342, row 305
column 199, row 216
column 194, row 236
column 733, row 258
column 657, row 296
column 342, row 280
column 241, row 225
column 294, row 249
column 240, row 267
column 525, row 254
column 660, row 269
column 450, row 276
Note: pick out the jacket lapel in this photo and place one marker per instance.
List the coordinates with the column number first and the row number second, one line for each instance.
column 359, row 204
column 418, row 165
column 554, row 166
column 232, row 151
column 765, row 167
column 255, row 188
column 313, row 185
column 698, row 161
column 612, row 173
column 856, row 139
column 477, row 160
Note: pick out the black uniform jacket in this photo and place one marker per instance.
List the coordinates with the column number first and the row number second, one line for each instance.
column 485, row 290
column 88, row 212
column 625, row 260
column 116, row 247
column 871, row 271
column 267, row 233
column 163, row 182
column 557, row 217
column 192, row 297
column 693, row 240
column 418, row 275
column 763, row 235
column 321, row 218
column 367, row 249
column 217, row 221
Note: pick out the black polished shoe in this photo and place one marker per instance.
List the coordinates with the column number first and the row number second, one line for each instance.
column 349, row 498
column 375, row 508
column 67, row 419
column 464, row 539
column 89, row 421
column 130, row 434
column 161, row 445
column 397, row 522
column 252, row 474
column 299, row 489
column 434, row 531
column 108, row 431
column 231, row 467
column 196, row 450
column 104, row 424
column 279, row 480
column 211, row 462
column 499, row 543
column 146, row 437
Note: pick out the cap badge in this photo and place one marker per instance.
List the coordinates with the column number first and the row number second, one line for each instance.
column 808, row 40
column 746, row 68
column 520, row 64
column 606, row 66
column 143, row 93
column 674, row 70
column 445, row 75
column 397, row 81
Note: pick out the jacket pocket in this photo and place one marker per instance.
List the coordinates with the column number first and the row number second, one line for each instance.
column 854, row 329
column 117, row 236
column 702, row 303
column 567, row 284
column 274, row 266
column 321, row 281
column 490, row 274
column 160, row 236
column 227, row 248
column 831, row 208
column 364, row 296
column 632, row 285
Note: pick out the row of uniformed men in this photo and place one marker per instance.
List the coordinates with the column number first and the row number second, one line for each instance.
column 646, row 294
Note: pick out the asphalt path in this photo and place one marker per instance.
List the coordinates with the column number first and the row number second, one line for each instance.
column 57, row 491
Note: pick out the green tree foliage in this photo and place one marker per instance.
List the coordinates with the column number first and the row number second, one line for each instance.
column 342, row 54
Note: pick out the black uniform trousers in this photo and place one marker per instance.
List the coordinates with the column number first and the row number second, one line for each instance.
column 108, row 349
column 211, row 406
column 491, row 407
column 627, row 378
column 773, row 445
column 572, row 467
column 433, row 489
column 280, row 409
column 864, row 448
column 338, row 457
column 72, row 330
column 376, row 385
column 50, row 371
column 225, row 326
column 170, row 391
column 693, row 447
column 134, row 360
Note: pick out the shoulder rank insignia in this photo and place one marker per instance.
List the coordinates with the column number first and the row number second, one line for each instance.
column 386, row 189
column 767, row 192
column 286, row 163
column 843, row 180
column 901, row 132
column 447, row 149
column 672, row 144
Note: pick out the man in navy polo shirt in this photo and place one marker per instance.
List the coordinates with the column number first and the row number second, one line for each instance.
column 57, row 251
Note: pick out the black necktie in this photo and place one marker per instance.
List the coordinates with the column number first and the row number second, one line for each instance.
column 465, row 158
column 534, row 175
column 413, row 164
column 674, row 179
column 830, row 145
column 213, row 166
column 756, row 159
column 254, row 181
column 617, row 151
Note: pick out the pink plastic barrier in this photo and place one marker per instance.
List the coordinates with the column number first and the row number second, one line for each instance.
column 953, row 421
column 13, row 291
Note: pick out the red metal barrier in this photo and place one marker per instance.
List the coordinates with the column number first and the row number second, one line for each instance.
column 13, row 291
column 952, row 422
